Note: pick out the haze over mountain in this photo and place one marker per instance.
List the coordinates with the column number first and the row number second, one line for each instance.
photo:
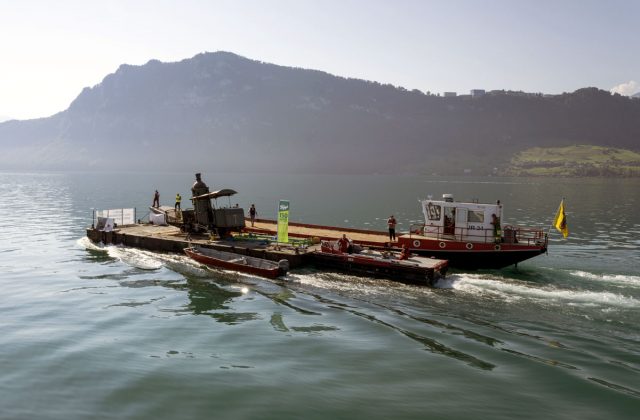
column 220, row 111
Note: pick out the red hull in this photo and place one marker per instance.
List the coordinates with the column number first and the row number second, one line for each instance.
column 389, row 268
column 473, row 255
column 270, row 273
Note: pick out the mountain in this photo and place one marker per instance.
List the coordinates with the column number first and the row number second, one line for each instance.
column 220, row 111
column 636, row 95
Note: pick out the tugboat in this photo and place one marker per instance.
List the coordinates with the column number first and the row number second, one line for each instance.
column 471, row 235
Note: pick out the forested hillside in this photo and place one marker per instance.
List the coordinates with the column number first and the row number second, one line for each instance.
column 225, row 112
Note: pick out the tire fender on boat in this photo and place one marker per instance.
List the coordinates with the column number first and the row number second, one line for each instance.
column 416, row 244
column 442, row 245
column 497, row 247
column 469, row 245
column 283, row 264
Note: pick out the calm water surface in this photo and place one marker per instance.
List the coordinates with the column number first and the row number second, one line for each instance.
column 111, row 333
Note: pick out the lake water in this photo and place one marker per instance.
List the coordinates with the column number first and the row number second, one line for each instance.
column 110, row 333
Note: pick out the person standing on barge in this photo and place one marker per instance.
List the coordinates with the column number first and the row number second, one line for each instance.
column 253, row 213
column 156, row 199
column 391, row 222
column 344, row 245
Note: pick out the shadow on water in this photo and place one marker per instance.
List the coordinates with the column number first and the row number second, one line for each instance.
column 212, row 293
column 211, row 299
column 616, row 387
column 451, row 328
column 540, row 359
column 122, row 275
column 430, row 344
column 206, row 296
column 98, row 255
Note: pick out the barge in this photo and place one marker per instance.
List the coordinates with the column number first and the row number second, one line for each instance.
column 217, row 230
column 454, row 234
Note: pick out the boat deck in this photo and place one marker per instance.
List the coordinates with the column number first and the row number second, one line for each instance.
column 171, row 239
column 172, row 215
column 327, row 233
column 415, row 260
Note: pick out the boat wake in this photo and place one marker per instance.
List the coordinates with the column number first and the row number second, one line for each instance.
column 618, row 280
column 341, row 282
column 513, row 291
column 149, row 260
column 137, row 258
column 489, row 286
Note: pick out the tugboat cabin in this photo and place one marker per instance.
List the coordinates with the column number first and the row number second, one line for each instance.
column 461, row 221
column 471, row 222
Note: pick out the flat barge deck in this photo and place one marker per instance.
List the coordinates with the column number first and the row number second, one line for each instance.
column 172, row 239
column 326, row 233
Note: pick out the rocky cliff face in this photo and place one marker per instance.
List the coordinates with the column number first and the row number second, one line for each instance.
column 225, row 112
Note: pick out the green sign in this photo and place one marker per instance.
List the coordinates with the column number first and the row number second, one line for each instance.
column 283, row 221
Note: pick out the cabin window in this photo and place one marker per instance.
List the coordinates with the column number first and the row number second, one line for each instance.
column 475, row 216
column 433, row 211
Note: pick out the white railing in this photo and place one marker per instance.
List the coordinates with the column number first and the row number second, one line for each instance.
column 120, row 216
column 510, row 234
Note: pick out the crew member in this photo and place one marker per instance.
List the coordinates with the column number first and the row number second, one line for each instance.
column 252, row 213
column 156, row 199
column 343, row 244
column 404, row 254
column 178, row 200
column 391, row 222
column 497, row 231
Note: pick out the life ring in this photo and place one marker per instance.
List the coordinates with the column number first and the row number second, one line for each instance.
column 416, row 244
column 497, row 247
column 442, row 244
column 469, row 245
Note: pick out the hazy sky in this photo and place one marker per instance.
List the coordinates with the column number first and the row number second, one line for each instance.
column 52, row 49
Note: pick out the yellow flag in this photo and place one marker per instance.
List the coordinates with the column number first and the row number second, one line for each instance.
column 560, row 221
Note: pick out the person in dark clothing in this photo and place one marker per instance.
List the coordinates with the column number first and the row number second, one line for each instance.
column 156, row 199
column 253, row 213
column 497, row 231
column 405, row 253
column 391, row 222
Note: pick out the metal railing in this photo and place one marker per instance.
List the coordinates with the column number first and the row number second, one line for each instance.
column 121, row 216
column 510, row 234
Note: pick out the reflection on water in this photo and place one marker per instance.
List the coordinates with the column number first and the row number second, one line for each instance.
column 207, row 296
